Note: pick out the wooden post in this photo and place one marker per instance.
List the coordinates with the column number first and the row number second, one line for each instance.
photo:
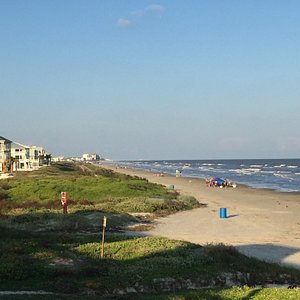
column 65, row 208
column 103, row 235
column 64, row 202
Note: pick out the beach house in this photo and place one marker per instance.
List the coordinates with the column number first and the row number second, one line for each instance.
column 90, row 157
column 5, row 147
column 18, row 157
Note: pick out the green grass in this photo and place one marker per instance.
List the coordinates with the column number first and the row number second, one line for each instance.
column 42, row 249
column 43, row 259
column 235, row 293
column 87, row 185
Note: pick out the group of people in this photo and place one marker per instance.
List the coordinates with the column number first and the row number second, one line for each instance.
column 218, row 182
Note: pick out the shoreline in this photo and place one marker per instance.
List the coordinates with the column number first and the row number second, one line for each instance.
column 280, row 186
column 260, row 222
column 115, row 166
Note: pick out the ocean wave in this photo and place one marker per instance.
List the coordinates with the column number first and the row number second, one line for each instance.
column 274, row 174
column 186, row 166
column 267, row 172
column 284, row 172
column 246, row 171
column 284, row 176
column 206, row 168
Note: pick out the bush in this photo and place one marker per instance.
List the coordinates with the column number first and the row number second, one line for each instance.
column 3, row 194
column 4, row 185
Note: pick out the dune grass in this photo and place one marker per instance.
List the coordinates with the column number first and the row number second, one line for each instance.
column 87, row 185
column 66, row 260
column 42, row 249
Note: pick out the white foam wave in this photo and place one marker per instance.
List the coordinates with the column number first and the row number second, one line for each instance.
column 206, row 168
column 284, row 176
column 267, row 172
column 245, row 171
column 186, row 166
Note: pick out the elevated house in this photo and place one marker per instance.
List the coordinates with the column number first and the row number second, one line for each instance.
column 19, row 157
column 5, row 158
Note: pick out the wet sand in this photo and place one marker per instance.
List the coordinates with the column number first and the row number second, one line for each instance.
column 260, row 223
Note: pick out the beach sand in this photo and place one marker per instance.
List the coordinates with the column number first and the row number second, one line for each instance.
column 261, row 223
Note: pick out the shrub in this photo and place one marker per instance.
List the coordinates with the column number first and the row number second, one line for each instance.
column 3, row 194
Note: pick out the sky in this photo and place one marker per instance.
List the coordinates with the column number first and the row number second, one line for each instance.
column 135, row 79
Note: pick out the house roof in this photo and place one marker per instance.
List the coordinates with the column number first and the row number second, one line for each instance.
column 18, row 145
column 5, row 139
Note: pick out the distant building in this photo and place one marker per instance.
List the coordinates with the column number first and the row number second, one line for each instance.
column 58, row 158
column 5, row 146
column 18, row 157
column 90, row 157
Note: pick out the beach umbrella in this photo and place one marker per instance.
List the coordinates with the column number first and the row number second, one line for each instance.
column 217, row 180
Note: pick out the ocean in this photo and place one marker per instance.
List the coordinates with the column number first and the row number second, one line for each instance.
column 276, row 174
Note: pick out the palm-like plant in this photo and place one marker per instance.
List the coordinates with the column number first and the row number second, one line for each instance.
column 9, row 164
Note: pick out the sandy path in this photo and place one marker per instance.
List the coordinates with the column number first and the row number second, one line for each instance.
column 261, row 223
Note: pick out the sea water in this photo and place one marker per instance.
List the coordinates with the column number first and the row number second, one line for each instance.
column 276, row 174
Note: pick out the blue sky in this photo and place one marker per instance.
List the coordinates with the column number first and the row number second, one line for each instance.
column 133, row 79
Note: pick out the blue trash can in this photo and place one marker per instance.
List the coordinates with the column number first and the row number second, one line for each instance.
column 223, row 213
column 171, row 187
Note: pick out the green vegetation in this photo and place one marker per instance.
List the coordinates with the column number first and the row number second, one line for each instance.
column 67, row 261
column 237, row 293
column 88, row 185
column 42, row 249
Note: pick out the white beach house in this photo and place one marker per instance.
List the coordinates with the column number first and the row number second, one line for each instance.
column 5, row 147
column 90, row 157
column 18, row 157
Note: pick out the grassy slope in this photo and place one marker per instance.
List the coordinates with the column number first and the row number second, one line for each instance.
column 67, row 261
column 42, row 249
column 88, row 185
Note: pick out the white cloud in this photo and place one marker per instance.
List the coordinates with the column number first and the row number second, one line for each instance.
column 154, row 8
column 123, row 22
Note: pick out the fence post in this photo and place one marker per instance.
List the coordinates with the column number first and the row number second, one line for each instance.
column 103, row 235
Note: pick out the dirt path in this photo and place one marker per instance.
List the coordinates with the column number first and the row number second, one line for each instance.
column 260, row 223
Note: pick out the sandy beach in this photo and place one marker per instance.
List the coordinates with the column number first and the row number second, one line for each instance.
column 260, row 223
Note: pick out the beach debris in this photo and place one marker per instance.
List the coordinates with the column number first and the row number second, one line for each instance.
column 171, row 187
column 158, row 174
